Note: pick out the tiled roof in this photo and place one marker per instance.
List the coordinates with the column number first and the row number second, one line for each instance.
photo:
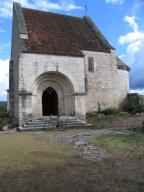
column 60, row 34
column 121, row 64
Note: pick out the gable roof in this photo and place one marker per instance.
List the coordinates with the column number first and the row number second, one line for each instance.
column 59, row 34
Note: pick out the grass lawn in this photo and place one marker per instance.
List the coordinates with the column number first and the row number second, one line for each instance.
column 120, row 143
column 29, row 162
column 29, row 150
column 107, row 122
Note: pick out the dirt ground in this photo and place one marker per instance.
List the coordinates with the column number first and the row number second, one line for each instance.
column 114, row 175
column 65, row 161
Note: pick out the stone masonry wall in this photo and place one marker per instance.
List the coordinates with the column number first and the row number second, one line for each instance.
column 107, row 86
column 31, row 66
column 14, row 72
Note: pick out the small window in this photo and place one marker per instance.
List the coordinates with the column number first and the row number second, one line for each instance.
column 90, row 64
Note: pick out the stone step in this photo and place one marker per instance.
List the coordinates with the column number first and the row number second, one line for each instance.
column 45, row 120
column 50, row 125
column 54, row 125
column 33, row 128
column 55, row 117
column 52, row 122
column 36, row 128
column 61, row 125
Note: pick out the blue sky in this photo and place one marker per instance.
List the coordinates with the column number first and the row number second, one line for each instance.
column 121, row 21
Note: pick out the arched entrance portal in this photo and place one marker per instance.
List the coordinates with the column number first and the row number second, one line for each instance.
column 49, row 102
column 53, row 94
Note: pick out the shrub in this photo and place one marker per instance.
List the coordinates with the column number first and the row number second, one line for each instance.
column 92, row 114
column 110, row 111
column 3, row 115
column 3, row 107
column 133, row 104
column 134, row 108
column 124, row 113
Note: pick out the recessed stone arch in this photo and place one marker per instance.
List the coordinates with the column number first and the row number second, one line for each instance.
column 63, row 87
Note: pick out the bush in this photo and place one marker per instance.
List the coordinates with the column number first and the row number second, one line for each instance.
column 134, row 108
column 110, row 111
column 3, row 115
column 3, row 107
column 124, row 114
column 133, row 104
column 92, row 114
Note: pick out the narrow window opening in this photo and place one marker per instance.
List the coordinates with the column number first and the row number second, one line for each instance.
column 90, row 64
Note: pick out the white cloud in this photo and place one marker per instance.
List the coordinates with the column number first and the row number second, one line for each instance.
column 134, row 47
column 6, row 6
column 121, row 56
column 140, row 91
column 4, row 77
column 134, row 40
column 131, row 21
column 131, row 37
column 115, row 1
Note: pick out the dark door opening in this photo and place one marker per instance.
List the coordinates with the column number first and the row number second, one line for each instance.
column 50, row 102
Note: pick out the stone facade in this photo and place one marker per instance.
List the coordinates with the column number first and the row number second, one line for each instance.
column 107, row 86
column 56, row 72
column 78, row 90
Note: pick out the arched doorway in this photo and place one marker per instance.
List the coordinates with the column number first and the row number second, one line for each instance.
column 63, row 94
column 49, row 102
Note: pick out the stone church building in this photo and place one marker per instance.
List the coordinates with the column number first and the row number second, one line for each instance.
column 61, row 66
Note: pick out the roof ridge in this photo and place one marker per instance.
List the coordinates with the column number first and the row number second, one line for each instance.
column 59, row 14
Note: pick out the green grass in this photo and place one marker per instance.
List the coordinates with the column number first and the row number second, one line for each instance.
column 120, row 143
column 104, row 121
column 28, row 150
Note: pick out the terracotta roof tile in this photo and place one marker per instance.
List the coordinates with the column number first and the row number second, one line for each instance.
column 59, row 34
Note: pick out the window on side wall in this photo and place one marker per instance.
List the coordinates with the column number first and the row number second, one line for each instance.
column 91, row 64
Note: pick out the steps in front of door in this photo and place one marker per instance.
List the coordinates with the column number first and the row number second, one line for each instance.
column 51, row 122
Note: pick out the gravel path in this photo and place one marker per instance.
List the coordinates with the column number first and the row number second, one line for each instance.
column 79, row 139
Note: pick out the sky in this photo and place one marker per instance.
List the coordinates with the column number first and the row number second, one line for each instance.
column 121, row 21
